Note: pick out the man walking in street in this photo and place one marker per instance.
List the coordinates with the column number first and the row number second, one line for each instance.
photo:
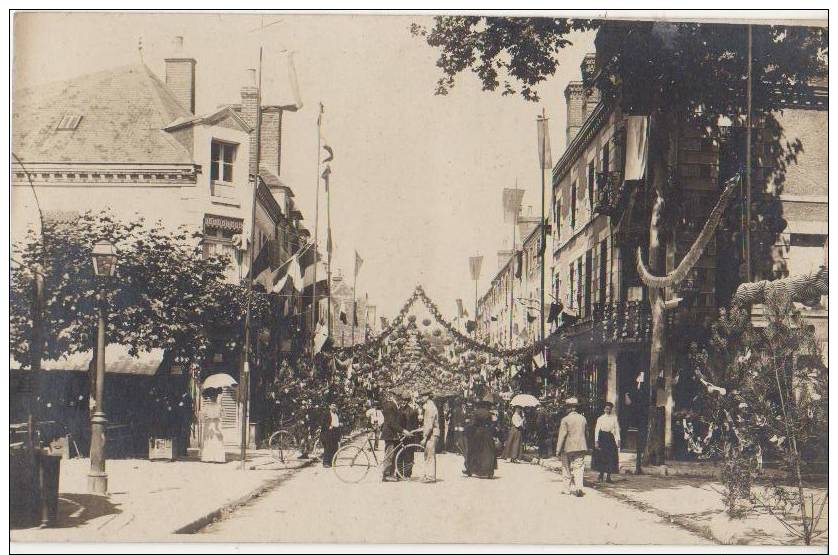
column 430, row 435
column 391, row 432
column 572, row 447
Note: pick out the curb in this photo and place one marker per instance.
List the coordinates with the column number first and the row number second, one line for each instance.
column 678, row 520
column 204, row 521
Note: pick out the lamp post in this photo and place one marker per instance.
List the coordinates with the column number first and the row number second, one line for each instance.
column 104, row 267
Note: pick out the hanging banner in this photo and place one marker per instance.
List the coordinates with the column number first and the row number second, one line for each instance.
column 637, row 148
column 474, row 263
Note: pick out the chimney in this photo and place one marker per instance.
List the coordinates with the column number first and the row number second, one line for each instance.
column 592, row 95
column 575, row 96
column 180, row 76
column 270, row 150
column 250, row 107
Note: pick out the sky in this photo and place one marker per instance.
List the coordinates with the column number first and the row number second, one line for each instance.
column 417, row 178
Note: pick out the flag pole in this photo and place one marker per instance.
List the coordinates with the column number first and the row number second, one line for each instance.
column 543, row 245
column 512, row 262
column 330, row 247
column 354, row 305
column 244, row 386
column 314, row 303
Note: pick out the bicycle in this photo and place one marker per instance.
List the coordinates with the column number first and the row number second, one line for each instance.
column 284, row 442
column 352, row 463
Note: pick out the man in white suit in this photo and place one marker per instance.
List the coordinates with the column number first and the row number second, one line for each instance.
column 572, row 446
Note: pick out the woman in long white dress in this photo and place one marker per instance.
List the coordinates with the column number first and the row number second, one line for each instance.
column 212, row 439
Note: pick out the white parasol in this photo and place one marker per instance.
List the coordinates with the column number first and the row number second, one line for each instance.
column 218, row 380
column 524, row 400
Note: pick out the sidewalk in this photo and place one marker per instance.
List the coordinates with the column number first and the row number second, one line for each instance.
column 692, row 499
column 150, row 501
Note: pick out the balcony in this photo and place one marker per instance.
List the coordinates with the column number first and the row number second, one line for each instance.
column 623, row 322
column 610, row 193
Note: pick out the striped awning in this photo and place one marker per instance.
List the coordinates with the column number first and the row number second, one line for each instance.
column 222, row 222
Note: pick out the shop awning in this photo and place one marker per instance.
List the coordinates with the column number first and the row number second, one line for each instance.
column 117, row 361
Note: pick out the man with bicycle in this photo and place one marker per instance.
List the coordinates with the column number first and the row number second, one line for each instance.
column 392, row 431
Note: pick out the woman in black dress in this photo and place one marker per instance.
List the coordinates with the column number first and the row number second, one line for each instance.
column 481, row 458
column 606, row 455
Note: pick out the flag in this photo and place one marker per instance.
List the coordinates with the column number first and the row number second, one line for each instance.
column 519, row 262
column 343, row 313
column 545, row 158
column 512, row 204
column 460, row 310
column 261, row 263
column 354, row 313
column 538, row 360
column 294, row 273
column 329, row 244
column 358, row 263
column 327, row 153
column 320, row 337
column 555, row 309
column 474, row 263
column 637, row 147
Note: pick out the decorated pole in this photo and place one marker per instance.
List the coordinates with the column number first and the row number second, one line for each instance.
column 316, row 225
column 511, row 207
column 244, row 386
column 546, row 160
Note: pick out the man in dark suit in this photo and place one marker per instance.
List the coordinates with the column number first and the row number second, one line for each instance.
column 391, row 432
column 410, row 422
column 330, row 433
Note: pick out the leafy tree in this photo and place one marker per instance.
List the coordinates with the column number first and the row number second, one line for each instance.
column 164, row 295
column 676, row 73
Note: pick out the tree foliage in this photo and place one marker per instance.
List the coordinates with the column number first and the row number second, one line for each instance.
column 164, row 295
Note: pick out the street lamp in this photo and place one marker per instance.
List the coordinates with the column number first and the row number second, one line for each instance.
column 104, row 267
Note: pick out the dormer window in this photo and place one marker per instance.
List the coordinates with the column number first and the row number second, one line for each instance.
column 69, row 122
column 221, row 164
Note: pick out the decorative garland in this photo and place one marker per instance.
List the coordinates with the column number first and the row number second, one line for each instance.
column 472, row 343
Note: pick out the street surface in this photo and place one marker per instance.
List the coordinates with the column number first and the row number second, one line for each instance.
column 523, row 504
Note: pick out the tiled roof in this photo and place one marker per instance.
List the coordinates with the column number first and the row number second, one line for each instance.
column 122, row 113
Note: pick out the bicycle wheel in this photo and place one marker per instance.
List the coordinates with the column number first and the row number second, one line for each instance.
column 351, row 464
column 411, row 463
column 282, row 446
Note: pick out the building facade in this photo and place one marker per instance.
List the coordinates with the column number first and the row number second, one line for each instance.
column 126, row 141
column 598, row 222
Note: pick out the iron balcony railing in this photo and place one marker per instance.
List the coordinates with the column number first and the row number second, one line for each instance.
column 610, row 193
column 620, row 322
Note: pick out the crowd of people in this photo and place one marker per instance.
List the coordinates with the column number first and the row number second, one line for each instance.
column 475, row 429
